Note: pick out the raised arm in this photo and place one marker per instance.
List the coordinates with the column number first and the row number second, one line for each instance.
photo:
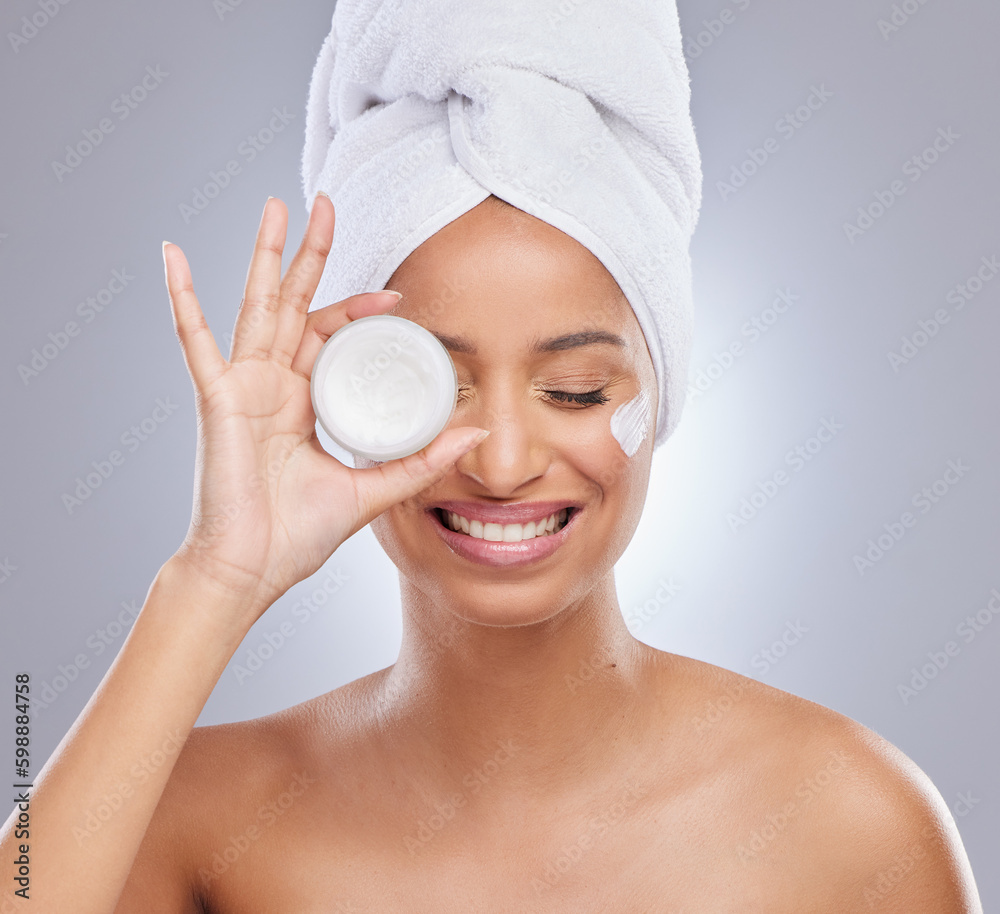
column 270, row 507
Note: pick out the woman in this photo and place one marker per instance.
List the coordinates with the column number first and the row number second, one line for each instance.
column 525, row 752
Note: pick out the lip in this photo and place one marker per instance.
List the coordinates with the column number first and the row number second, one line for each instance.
column 506, row 555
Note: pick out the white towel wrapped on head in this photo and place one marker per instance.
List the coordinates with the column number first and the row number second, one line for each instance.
column 575, row 111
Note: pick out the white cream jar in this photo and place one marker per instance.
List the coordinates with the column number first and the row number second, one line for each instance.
column 383, row 387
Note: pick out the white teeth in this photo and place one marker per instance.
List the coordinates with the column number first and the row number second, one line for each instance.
column 506, row 533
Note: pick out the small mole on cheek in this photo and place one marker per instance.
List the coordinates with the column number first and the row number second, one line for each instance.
column 630, row 423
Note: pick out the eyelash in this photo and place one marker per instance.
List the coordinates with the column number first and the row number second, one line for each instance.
column 588, row 398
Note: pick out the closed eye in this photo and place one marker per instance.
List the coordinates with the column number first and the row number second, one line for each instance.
column 588, row 398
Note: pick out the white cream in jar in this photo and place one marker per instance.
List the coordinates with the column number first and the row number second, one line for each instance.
column 383, row 387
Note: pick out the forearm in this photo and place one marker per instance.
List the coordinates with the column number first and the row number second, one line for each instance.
column 119, row 753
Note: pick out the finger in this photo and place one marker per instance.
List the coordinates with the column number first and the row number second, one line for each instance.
column 257, row 318
column 379, row 488
column 323, row 323
column 204, row 361
column 302, row 279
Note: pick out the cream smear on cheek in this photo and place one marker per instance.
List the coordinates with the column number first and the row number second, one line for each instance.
column 630, row 423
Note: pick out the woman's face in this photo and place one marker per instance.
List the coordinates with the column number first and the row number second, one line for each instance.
column 496, row 286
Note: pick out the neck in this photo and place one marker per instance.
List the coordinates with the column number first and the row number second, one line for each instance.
column 554, row 695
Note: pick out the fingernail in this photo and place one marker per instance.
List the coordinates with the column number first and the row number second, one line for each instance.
column 322, row 193
column 398, row 295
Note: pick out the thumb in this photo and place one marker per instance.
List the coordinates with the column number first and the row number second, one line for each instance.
column 381, row 487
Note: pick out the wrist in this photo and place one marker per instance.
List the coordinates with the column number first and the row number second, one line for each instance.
column 228, row 603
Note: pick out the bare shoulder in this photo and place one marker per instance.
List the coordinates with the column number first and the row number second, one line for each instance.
column 218, row 775
column 229, row 785
column 865, row 820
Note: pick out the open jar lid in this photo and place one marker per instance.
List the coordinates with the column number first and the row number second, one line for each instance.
column 383, row 387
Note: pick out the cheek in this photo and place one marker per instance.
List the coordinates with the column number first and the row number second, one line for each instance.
column 608, row 452
column 630, row 423
column 397, row 541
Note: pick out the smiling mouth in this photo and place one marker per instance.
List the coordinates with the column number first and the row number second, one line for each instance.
column 505, row 533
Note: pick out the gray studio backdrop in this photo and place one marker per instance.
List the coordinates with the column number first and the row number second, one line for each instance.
column 825, row 518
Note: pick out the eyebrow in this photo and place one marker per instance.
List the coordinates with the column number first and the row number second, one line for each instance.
column 553, row 344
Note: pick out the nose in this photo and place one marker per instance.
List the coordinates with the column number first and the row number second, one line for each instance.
column 515, row 453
